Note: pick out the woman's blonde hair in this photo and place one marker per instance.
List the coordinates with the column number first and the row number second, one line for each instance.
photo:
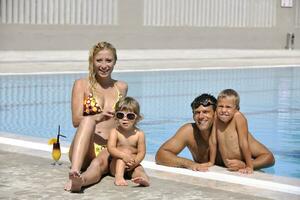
column 93, row 51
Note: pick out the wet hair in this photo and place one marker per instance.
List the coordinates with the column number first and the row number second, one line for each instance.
column 100, row 46
column 230, row 93
column 204, row 100
column 129, row 104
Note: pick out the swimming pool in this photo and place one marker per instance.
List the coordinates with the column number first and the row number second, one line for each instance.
column 34, row 105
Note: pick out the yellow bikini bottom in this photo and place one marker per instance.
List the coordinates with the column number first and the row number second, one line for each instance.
column 98, row 148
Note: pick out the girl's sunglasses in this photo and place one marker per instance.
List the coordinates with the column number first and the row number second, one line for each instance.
column 129, row 115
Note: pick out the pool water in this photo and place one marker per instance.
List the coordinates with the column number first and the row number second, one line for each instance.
column 34, row 105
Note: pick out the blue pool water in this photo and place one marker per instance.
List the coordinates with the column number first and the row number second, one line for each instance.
column 34, row 105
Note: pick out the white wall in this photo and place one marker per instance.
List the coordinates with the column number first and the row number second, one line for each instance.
column 77, row 24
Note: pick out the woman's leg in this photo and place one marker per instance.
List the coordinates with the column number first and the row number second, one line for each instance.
column 82, row 148
column 95, row 171
column 97, row 168
column 81, row 153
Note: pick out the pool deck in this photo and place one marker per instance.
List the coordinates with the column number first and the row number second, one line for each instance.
column 150, row 59
column 26, row 171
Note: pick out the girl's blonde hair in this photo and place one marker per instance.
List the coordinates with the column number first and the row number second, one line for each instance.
column 129, row 104
column 93, row 51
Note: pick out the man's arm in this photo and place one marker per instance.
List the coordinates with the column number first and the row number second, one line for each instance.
column 167, row 154
column 262, row 156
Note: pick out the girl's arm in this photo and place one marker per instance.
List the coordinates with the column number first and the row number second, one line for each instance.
column 141, row 148
column 113, row 150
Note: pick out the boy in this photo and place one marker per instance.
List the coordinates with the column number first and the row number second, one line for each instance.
column 230, row 132
column 126, row 144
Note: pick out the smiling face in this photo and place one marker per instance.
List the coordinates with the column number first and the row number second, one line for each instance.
column 103, row 63
column 204, row 117
column 226, row 108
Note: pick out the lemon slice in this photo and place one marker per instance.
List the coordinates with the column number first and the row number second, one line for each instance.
column 52, row 141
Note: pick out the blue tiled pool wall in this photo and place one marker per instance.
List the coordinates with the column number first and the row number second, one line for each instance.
column 34, row 105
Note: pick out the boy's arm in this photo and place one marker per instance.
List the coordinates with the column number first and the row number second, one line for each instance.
column 242, row 130
column 213, row 145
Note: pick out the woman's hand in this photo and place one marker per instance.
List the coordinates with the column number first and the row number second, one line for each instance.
column 103, row 116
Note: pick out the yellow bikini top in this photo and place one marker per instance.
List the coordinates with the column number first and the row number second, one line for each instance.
column 91, row 107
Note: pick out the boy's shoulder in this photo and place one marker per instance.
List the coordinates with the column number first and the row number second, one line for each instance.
column 239, row 118
column 239, row 115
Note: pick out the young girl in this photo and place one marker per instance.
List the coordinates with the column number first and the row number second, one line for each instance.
column 126, row 144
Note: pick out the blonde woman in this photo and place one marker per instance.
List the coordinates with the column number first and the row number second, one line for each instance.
column 93, row 107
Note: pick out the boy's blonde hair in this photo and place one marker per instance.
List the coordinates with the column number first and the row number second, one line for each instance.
column 131, row 105
column 100, row 46
column 230, row 93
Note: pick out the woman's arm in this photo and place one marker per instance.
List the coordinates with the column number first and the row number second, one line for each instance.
column 77, row 102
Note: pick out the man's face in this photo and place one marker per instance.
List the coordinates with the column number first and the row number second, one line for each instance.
column 204, row 117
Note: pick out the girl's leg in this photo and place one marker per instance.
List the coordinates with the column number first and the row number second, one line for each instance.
column 117, row 169
column 140, row 177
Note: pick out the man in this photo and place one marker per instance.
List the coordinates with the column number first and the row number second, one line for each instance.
column 195, row 136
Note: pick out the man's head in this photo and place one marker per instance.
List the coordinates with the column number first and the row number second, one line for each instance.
column 204, row 100
column 204, row 107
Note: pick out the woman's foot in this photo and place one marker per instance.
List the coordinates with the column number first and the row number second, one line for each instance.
column 75, row 182
column 141, row 181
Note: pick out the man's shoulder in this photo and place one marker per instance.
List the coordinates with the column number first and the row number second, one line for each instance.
column 188, row 127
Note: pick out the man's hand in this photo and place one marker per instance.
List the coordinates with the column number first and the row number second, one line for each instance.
column 198, row 167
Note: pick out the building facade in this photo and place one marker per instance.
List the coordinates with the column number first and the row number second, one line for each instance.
column 154, row 24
